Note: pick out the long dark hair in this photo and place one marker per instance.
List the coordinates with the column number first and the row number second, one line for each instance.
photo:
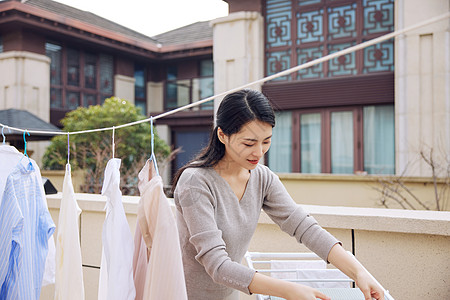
column 235, row 110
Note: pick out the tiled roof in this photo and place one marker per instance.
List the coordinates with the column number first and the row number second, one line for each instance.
column 196, row 32
column 25, row 120
column 88, row 17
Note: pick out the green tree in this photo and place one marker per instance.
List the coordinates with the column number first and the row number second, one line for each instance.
column 91, row 151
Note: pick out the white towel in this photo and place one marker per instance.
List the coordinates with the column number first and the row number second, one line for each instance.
column 294, row 265
column 308, row 269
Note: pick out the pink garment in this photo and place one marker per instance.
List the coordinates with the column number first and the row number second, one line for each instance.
column 157, row 264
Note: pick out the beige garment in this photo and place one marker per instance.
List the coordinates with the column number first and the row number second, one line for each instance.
column 157, row 265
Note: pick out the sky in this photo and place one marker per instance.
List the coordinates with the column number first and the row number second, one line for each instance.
column 152, row 17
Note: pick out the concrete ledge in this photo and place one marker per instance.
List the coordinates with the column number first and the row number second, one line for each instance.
column 378, row 219
column 371, row 219
column 24, row 55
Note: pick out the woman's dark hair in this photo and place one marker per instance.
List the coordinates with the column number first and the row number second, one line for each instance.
column 235, row 110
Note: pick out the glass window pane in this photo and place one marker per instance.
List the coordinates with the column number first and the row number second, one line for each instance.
column 73, row 67
column 106, row 74
column 142, row 105
column 342, row 65
column 379, row 139
column 278, row 23
column 90, row 71
column 378, row 16
column 55, row 98
column 280, row 153
column 206, row 68
column 171, row 95
column 310, row 26
column 278, row 61
column 206, row 90
column 379, row 57
column 183, row 92
column 342, row 142
column 171, row 73
column 139, row 84
column 341, row 22
column 310, row 143
column 89, row 99
column 72, row 100
column 53, row 51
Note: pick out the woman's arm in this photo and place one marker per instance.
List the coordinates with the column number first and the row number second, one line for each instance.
column 353, row 269
column 262, row 284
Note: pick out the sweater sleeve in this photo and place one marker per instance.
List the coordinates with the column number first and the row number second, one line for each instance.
column 198, row 205
column 294, row 220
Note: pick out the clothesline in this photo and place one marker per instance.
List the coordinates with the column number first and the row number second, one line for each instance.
column 262, row 80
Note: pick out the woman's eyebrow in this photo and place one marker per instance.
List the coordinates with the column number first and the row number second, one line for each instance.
column 255, row 140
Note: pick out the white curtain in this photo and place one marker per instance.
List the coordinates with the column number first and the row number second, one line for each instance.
column 379, row 139
column 342, row 142
column 310, row 143
column 280, row 153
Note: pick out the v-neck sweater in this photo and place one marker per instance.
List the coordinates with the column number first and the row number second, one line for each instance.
column 215, row 228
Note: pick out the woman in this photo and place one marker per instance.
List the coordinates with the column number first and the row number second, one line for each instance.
column 219, row 197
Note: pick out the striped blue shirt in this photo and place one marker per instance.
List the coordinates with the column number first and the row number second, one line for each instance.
column 26, row 226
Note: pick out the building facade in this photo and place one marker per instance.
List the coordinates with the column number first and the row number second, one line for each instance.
column 372, row 111
column 55, row 58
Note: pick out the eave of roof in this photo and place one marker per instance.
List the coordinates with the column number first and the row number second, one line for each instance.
column 72, row 26
column 25, row 120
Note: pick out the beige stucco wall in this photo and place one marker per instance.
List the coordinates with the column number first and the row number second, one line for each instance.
column 155, row 97
column 25, row 85
column 406, row 251
column 238, row 51
column 124, row 87
column 422, row 76
column 360, row 191
column 25, row 82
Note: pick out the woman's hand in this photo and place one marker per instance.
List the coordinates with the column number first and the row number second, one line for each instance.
column 348, row 264
column 368, row 286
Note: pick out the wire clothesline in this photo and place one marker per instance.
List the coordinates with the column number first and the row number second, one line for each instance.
column 262, row 80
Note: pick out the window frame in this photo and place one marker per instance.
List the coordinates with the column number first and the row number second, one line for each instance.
column 64, row 87
column 293, row 46
column 325, row 113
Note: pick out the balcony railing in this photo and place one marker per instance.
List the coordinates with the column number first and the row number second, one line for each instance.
column 186, row 91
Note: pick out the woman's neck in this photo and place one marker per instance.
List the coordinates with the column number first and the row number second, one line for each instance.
column 228, row 168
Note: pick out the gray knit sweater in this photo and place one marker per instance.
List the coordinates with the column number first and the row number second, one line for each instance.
column 215, row 228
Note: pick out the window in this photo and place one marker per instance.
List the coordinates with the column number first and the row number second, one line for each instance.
column 206, row 83
column 280, row 153
column 189, row 89
column 78, row 78
column 300, row 31
column 335, row 140
column 140, row 99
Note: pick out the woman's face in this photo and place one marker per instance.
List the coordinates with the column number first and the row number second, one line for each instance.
column 246, row 147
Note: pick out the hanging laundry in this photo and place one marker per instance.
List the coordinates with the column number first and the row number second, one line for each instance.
column 69, row 271
column 10, row 158
column 26, row 228
column 116, row 270
column 157, row 264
